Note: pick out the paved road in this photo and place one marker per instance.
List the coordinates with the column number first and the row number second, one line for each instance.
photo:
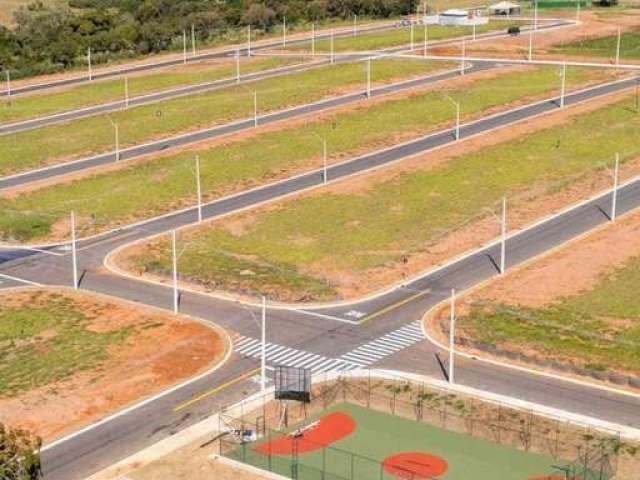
column 303, row 330
column 217, row 131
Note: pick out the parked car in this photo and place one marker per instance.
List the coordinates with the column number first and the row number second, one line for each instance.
column 514, row 31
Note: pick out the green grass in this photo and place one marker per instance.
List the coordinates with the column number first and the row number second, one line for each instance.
column 605, row 46
column 402, row 36
column 150, row 188
column 24, row 150
column 358, row 231
column 103, row 91
column 575, row 327
column 48, row 340
column 380, row 435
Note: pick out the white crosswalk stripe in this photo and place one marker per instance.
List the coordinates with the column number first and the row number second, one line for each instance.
column 386, row 345
column 292, row 357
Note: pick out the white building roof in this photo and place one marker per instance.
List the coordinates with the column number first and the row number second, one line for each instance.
column 504, row 6
column 455, row 12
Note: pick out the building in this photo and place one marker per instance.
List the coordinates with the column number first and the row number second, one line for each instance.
column 505, row 8
column 458, row 17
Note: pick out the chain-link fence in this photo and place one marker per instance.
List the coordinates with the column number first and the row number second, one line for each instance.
column 579, row 450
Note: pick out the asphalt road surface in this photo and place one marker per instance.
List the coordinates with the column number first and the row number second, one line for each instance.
column 331, row 334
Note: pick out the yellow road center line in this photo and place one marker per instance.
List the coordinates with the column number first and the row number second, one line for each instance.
column 204, row 395
column 394, row 305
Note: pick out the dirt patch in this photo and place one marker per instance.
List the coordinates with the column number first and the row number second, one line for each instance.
column 165, row 349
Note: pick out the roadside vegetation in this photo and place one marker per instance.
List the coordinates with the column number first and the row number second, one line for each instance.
column 155, row 186
column 402, row 36
column 349, row 233
column 13, row 109
column 604, row 47
column 23, row 150
column 47, row 38
column 600, row 327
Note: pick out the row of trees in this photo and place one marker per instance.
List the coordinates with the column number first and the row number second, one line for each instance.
column 51, row 38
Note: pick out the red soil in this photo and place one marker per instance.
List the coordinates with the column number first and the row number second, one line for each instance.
column 329, row 429
column 415, row 465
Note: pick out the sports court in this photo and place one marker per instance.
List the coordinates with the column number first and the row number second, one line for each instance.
column 348, row 441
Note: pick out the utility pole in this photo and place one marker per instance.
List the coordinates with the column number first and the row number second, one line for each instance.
column 126, row 92
column 614, row 196
column 618, row 47
column 324, row 161
column 563, row 84
column 464, row 54
column 184, row 46
column 255, row 109
column 313, row 39
column 452, row 338
column 530, row 45
column 263, row 355
column 198, row 189
column 193, row 40
column 175, row 271
column 238, row 66
column 369, row 78
column 284, row 31
column 89, row 63
column 503, row 242
column 74, row 255
column 331, row 47
column 248, row 40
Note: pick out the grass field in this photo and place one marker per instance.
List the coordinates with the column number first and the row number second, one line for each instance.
column 378, row 436
column 600, row 327
column 112, row 198
column 48, row 340
column 102, row 91
column 605, row 46
column 402, row 36
column 23, row 151
column 286, row 248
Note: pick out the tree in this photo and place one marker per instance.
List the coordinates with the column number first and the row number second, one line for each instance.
column 259, row 15
column 19, row 454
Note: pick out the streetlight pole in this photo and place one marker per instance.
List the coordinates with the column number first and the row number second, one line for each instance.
column 117, row 139
column 503, row 242
column 313, row 39
column 411, row 37
column 198, row 188
column 474, row 32
column 238, row 66
column 249, row 40
column 8, row 75
column 74, row 255
column 324, row 161
column 530, row 45
column 175, row 271
column 284, row 31
column 184, row 46
column 263, row 355
column 618, row 47
column 535, row 15
column 255, row 109
column 452, row 343
column 578, row 10
column 331, row 55
column 193, row 40
column 355, row 24
column 89, row 63
column 126, row 92
column 369, row 78
column 424, row 41
column 563, row 84
column 614, row 196
column 464, row 51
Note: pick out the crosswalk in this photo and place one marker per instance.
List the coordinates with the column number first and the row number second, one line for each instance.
column 292, row 357
column 363, row 356
column 375, row 350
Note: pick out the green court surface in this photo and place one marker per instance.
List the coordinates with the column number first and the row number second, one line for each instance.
column 377, row 436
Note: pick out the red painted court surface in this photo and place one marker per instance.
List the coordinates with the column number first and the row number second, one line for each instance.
column 415, row 465
column 329, row 429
